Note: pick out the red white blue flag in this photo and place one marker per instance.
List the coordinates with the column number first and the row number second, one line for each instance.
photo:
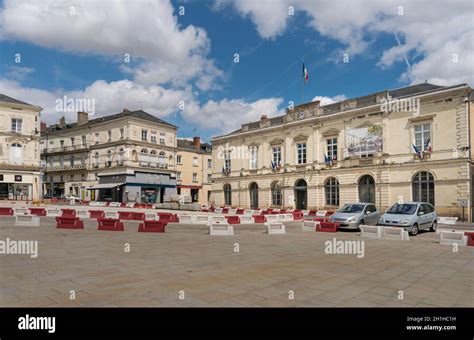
column 305, row 74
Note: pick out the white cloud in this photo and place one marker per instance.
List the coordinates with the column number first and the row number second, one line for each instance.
column 431, row 31
column 227, row 115
column 19, row 73
column 329, row 100
column 109, row 97
column 145, row 29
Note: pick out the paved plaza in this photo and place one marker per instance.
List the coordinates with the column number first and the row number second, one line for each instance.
column 187, row 267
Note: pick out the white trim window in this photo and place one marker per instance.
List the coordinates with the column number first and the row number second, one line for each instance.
column 195, row 161
column 422, row 135
column 276, row 155
column 17, row 125
column 253, row 157
column 145, row 135
column 301, row 153
column 332, row 148
column 227, row 161
column 179, row 159
column 195, row 177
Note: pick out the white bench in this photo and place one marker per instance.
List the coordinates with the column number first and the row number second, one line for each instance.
column 216, row 219
column 246, row 219
column 447, row 220
column 276, row 210
column 130, row 204
column 151, row 217
column 114, row 204
column 321, row 213
column 305, row 212
column 186, row 219
column 371, row 231
column 452, row 237
column 309, row 225
column 232, row 211
column 221, row 229
column 288, row 217
column 82, row 213
column 271, row 218
column 218, row 210
column 394, row 233
column 27, row 221
column 53, row 212
column 275, row 228
column 249, row 212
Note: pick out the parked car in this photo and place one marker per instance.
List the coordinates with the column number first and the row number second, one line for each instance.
column 413, row 217
column 351, row 215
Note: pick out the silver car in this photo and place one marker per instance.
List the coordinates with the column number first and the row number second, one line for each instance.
column 413, row 217
column 351, row 215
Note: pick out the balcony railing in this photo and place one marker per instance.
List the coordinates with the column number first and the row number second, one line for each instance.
column 65, row 167
column 65, row 148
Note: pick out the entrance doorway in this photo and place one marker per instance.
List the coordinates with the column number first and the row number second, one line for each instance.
column 301, row 194
column 367, row 189
column 253, row 191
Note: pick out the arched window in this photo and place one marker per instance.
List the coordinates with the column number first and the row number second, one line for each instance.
column 227, row 194
column 423, row 187
column 144, row 151
column 367, row 189
column 331, row 189
column 276, row 193
column 162, row 154
column 253, row 191
column 16, row 154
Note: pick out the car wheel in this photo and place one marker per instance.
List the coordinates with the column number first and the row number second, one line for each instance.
column 434, row 226
column 414, row 230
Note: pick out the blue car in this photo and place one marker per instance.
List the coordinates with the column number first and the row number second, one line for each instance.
column 413, row 217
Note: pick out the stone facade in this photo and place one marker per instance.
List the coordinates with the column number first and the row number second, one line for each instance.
column 123, row 157
column 406, row 144
column 20, row 177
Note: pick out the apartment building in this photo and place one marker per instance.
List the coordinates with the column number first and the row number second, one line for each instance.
column 406, row 144
column 124, row 157
column 20, row 177
column 194, row 170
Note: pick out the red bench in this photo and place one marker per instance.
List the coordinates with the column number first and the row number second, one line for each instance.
column 152, row 226
column 96, row 214
column 232, row 219
column 69, row 223
column 327, row 227
column 167, row 217
column 110, row 224
column 225, row 210
column 84, row 202
column 312, row 213
column 470, row 238
column 212, row 209
column 6, row 211
column 38, row 211
column 321, row 219
column 239, row 211
column 329, row 213
column 68, row 213
column 259, row 218
column 297, row 215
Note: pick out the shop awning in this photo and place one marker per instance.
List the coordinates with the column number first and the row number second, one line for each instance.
column 105, row 186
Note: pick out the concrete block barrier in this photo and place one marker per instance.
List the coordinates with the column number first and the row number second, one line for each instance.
column 27, row 221
column 371, row 231
column 394, row 233
column 452, row 237
column 246, row 219
column 111, row 214
column 54, row 212
column 275, row 228
column 221, row 229
column 309, row 225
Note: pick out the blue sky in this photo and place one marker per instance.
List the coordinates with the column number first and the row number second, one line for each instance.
column 77, row 49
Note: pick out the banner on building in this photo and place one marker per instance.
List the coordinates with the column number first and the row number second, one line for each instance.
column 364, row 141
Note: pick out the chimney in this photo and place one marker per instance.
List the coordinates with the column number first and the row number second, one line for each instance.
column 82, row 117
column 62, row 122
column 43, row 126
column 197, row 142
column 125, row 109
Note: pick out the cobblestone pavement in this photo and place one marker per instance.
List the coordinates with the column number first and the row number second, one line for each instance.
column 187, row 267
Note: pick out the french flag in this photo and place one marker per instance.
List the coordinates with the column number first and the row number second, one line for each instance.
column 305, row 74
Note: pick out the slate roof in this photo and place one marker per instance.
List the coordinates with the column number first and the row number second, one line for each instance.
column 185, row 144
column 7, row 99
